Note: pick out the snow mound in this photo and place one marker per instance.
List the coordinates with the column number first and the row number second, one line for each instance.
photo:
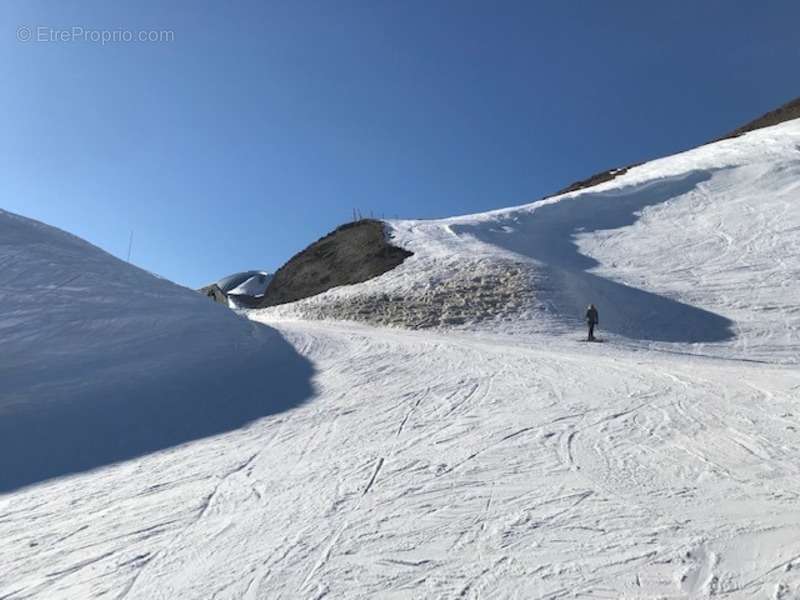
column 253, row 286
column 246, row 283
column 694, row 252
column 104, row 361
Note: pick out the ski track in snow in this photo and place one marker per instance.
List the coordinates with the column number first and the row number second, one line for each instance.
column 456, row 468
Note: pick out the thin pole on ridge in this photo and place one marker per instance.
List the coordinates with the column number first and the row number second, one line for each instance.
column 130, row 246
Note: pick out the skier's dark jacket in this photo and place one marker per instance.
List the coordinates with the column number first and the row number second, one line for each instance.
column 592, row 316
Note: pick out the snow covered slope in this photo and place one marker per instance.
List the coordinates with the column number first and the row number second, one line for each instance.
column 254, row 286
column 695, row 252
column 103, row 361
column 247, row 283
column 489, row 457
column 446, row 466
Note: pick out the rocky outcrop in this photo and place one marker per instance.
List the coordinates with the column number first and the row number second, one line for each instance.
column 595, row 179
column 787, row 112
column 353, row 253
column 214, row 293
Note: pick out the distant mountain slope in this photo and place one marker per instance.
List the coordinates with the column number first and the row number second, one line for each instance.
column 103, row 361
column 787, row 112
column 245, row 289
column 697, row 250
column 254, row 286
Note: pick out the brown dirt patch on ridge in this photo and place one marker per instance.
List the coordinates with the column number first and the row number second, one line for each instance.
column 353, row 253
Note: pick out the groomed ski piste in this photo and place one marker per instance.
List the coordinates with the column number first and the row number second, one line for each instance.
column 436, row 432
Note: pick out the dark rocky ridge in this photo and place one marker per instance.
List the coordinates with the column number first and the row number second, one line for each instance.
column 353, row 253
column 787, row 112
column 595, row 179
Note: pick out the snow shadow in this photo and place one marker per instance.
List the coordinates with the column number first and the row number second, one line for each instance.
column 90, row 409
column 547, row 235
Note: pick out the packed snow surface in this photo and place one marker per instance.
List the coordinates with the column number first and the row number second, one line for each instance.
column 491, row 455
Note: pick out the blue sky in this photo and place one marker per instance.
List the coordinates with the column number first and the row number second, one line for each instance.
column 261, row 125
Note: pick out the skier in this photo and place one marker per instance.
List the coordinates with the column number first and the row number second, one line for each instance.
column 592, row 319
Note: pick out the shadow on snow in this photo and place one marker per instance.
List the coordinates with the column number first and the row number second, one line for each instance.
column 547, row 235
column 92, row 411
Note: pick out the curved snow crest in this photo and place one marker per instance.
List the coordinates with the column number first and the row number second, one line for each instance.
column 693, row 252
column 254, row 286
column 246, row 283
column 104, row 361
column 768, row 145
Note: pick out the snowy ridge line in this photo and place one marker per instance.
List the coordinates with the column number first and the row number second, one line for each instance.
column 669, row 250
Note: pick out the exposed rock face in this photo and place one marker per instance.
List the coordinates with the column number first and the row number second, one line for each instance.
column 214, row 293
column 353, row 253
column 787, row 112
column 595, row 179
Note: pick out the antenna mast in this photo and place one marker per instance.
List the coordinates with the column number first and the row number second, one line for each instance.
column 130, row 245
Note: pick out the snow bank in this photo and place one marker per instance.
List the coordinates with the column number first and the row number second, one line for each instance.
column 103, row 361
column 247, row 283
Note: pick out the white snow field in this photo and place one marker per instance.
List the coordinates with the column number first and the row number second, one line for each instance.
column 488, row 456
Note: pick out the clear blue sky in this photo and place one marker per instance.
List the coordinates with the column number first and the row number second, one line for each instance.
column 261, row 125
